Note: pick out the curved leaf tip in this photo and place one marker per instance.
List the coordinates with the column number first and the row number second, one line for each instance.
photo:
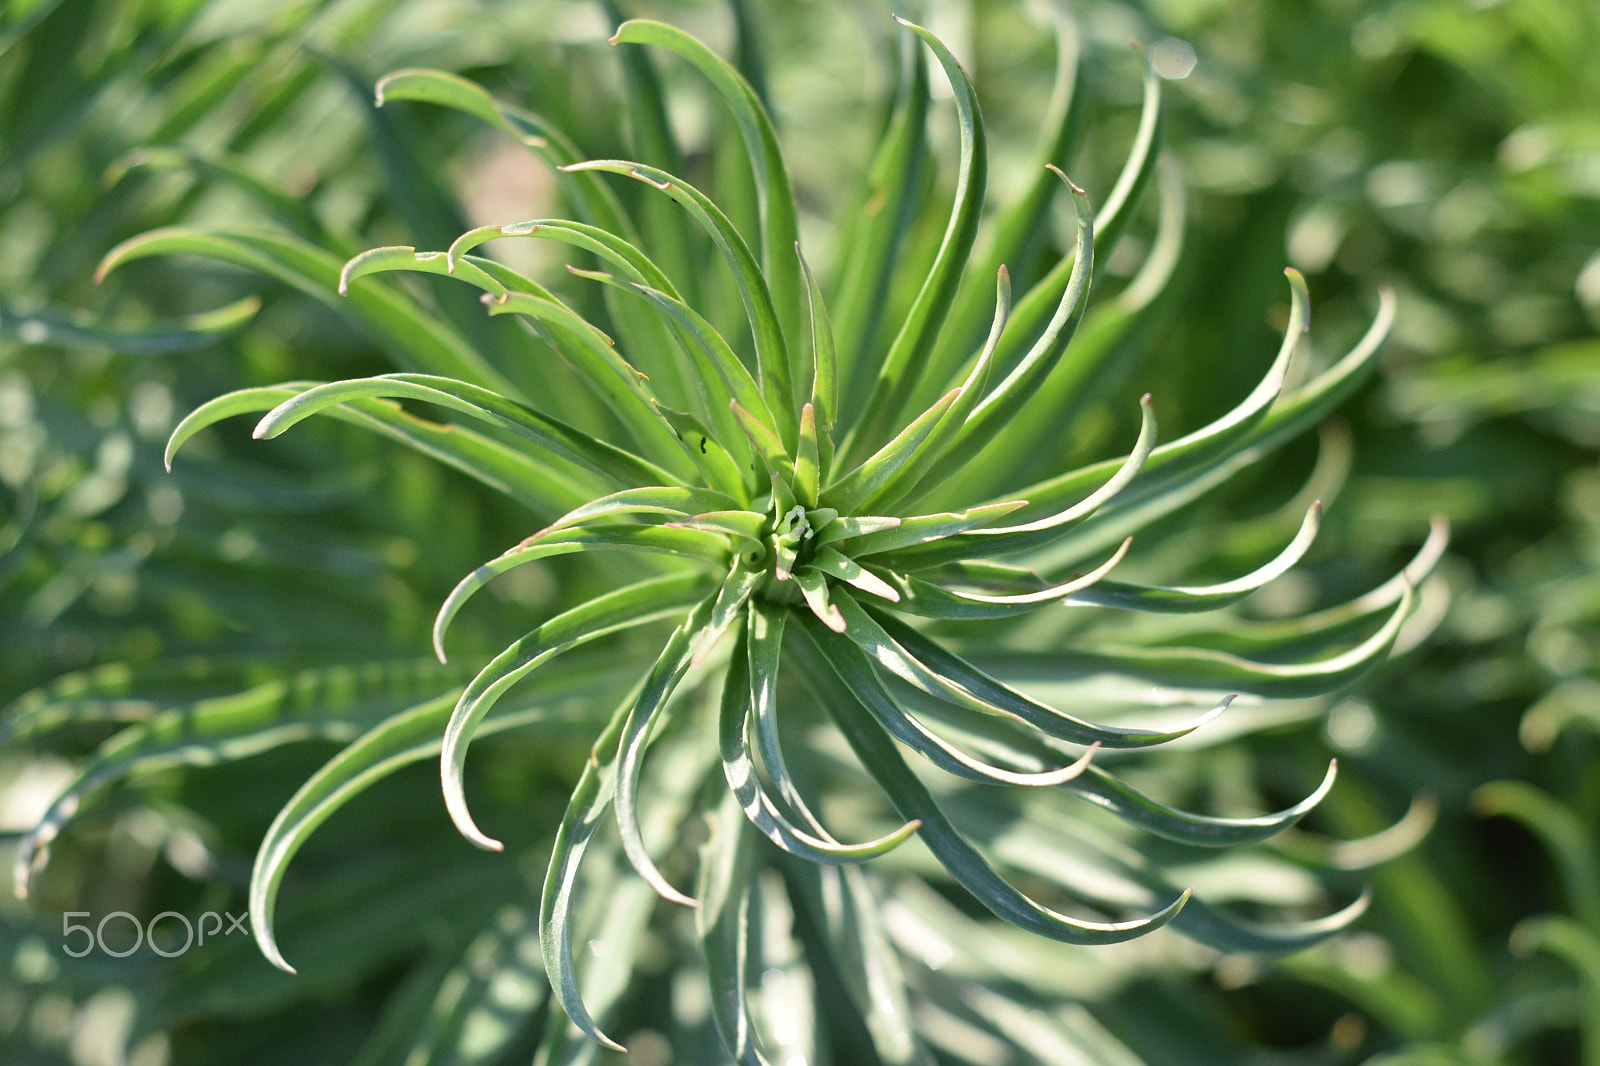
column 1323, row 789
column 455, row 801
column 1212, row 715
column 269, row 945
column 1077, row 190
column 1297, row 282
column 22, row 872
column 378, row 99
column 1163, row 916
column 122, row 253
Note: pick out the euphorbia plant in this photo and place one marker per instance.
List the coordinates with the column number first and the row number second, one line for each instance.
column 833, row 501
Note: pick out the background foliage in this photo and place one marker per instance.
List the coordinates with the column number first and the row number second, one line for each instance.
column 1449, row 152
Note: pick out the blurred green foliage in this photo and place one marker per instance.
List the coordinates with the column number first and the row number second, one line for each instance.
column 1454, row 151
column 1450, row 150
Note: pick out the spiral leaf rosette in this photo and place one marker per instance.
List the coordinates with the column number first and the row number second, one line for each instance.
column 866, row 684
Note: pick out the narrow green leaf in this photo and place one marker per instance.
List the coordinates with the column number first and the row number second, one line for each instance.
column 414, row 337
column 530, row 349
column 237, row 172
column 1207, row 670
column 404, row 738
column 874, row 231
column 750, row 691
column 656, row 343
column 241, row 401
column 646, row 711
column 847, row 911
column 1042, row 838
column 1113, row 331
column 779, row 226
column 716, row 463
column 685, row 543
column 1023, row 226
column 1579, row 947
column 1249, row 413
column 597, row 202
column 1205, row 597
column 747, row 526
column 1172, row 484
column 1135, row 808
column 1410, row 576
column 707, row 352
column 676, row 500
column 615, row 464
column 161, row 338
column 1138, row 167
column 927, row 666
column 616, row 908
column 1028, row 754
column 983, row 543
column 824, row 372
column 851, row 572
column 839, row 528
column 933, row 450
column 814, row 588
column 671, row 234
column 585, row 811
column 913, row 801
column 747, row 56
column 1367, row 852
column 418, row 192
column 602, row 243
column 1309, row 403
column 618, row 382
column 404, row 257
column 640, row 337
column 991, row 416
column 1230, row 932
column 902, row 367
column 727, row 869
column 856, row 671
column 332, row 703
column 127, row 692
column 766, row 624
column 933, row 601
column 638, row 604
column 848, row 493
column 806, row 459
column 772, row 358
column 457, row 93
column 738, row 586
column 765, row 444
column 924, row 529
column 1010, row 538
column 1242, row 435
column 522, row 476
column 1333, row 628
column 1563, row 832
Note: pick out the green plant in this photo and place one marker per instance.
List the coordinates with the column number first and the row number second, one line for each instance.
column 1454, row 157
column 788, row 484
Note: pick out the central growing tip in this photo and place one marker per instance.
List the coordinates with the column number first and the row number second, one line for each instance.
column 787, row 542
